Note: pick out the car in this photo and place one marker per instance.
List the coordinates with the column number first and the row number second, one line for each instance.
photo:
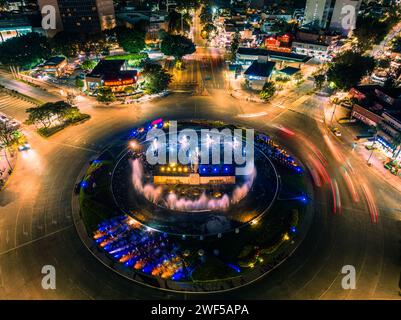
column 336, row 131
column 24, row 147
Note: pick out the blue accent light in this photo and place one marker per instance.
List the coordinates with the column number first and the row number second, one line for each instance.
column 234, row 267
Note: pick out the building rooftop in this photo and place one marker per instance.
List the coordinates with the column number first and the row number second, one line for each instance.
column 111, row 70
column 260, row 69
column 394, row 93
column 289, row 56
column 13, row 23
column 396, row 115
column 54, row 61
column 289, row 71
column 105, row 67
column 318, row 43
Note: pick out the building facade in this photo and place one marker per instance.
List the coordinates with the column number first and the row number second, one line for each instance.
column 83, row 16
column 337, row 15
column 319, row 51
column 343, row 19
column 317, row 13
column 13, row 28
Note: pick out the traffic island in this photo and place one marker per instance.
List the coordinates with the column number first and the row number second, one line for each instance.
column 191, row 228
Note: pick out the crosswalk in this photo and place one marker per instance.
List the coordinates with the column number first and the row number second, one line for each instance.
column 14, row 107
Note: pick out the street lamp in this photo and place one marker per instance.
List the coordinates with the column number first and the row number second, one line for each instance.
column 133, row 144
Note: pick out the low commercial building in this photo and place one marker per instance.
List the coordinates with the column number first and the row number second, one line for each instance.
column 379, row 107
column 113, row 74
column 259, row 72
column 319, row 51
column 13, row 28
column 390, row 130
column 157, row 21
column 55, row 66
column 367, row 115
column 247, row 55
column 288, row 71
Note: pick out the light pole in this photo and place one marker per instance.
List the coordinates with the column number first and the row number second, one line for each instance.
column 334, row 111
column 371, row 153
column 373, row 144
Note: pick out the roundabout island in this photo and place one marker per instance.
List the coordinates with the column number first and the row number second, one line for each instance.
column 192, row 226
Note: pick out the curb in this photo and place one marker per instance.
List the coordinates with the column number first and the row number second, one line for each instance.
column 11, row 174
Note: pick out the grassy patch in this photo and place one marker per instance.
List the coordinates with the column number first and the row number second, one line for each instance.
column 133, row 59
column 213, row 269
column 47, row 132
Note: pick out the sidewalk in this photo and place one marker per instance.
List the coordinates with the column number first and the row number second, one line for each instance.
column 5, row 170
column 377, row 163
column 244, row 95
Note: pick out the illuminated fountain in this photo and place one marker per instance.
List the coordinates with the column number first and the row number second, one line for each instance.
column 193, row 197
column 155, row 194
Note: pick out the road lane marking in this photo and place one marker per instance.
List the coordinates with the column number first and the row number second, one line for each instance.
column 35, row 240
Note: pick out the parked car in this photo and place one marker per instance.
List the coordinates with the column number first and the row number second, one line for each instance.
column 24, row 147
column 336, row 131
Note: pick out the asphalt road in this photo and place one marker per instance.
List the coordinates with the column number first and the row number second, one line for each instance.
column 36, row 227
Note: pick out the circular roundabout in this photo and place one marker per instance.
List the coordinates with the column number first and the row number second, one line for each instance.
column 158, row 208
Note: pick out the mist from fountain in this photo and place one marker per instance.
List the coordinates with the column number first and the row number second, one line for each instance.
column 172, row 201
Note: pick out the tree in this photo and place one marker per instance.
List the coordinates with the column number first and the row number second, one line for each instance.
column 88, row 64
column 348, row 68
column 41, row 115
column 49, row 113
column 234, row 46
column 383, row 63
column 24, row 51
column 209, row 31
column 319, row 80
column 177, row 46
column 206, row 15
column 269, row 89
column 9, row 138
column 66, row 43
column 371, row 30
column 396, row 44
column 298, row 77
column 178, row 22
column 156, row 78
column 79, row 83
column 71, row 98
column 71, row 44
column 131, row 40
column 104, row 94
